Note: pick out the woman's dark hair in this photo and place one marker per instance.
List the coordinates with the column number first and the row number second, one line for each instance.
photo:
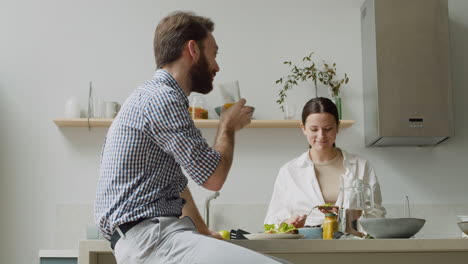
column 174, row 31
column 320, row 105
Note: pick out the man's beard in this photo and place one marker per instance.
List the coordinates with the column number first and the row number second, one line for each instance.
column 201, row 76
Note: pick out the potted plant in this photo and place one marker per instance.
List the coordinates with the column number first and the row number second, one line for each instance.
column 326, row 75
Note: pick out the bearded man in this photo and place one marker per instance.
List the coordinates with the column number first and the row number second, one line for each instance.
column 143, row 205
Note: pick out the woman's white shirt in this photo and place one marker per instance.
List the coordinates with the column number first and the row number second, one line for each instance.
column 297, row 190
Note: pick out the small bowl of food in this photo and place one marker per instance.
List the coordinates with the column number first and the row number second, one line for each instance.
column 463, row 226
column 311, row 232
column 220, row 108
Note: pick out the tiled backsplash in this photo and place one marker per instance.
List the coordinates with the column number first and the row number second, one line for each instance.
column 71, row 224
column 73, row 220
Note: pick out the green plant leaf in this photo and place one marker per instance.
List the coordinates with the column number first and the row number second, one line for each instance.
column 325, row 74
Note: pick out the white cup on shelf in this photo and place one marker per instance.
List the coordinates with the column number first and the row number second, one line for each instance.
column 72, row 108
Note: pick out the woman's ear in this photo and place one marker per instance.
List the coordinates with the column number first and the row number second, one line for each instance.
column 303, row 129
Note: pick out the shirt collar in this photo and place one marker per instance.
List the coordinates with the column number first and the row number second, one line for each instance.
column 348, row 158
column 166, row 78
column 304, row 160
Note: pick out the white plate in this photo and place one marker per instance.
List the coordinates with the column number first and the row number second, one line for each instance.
column 263, row 236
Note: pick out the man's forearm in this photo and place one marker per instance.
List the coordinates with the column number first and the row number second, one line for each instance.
column 224, row 143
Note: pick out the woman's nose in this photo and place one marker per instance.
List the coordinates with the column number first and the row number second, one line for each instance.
column 320, row 133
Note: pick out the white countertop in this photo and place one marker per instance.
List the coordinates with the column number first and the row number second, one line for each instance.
column 58, row 253
column 318, row 245
column 367, row 245
column 301, row 251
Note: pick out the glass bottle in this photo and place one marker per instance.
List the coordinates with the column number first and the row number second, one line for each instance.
column 330, row 225
column 90, row 101
column 198, row 108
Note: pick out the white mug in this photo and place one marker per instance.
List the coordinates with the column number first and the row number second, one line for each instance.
column 111, row 109
column 72, row 108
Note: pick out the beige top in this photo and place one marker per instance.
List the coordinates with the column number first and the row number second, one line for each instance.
column 328, row 176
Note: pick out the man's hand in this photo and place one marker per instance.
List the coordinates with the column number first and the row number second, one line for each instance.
column 237, row 116
column 211, row 233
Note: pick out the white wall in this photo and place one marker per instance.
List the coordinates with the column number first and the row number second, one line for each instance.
column 51, row 49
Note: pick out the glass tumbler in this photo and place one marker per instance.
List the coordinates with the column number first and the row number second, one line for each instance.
column 198, row 109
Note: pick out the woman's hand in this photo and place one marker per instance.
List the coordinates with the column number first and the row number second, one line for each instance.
column 297, row 221
column 354, row 232
column 351, row 217
column 333, row 209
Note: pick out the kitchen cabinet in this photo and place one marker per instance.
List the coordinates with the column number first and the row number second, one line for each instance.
column 200, row 123
column 369, row 251
column 95, row 252
column 58, row 256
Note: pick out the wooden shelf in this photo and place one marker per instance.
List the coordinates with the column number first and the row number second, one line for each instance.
column 83, row 122
column 200, row 123
column 266, row 123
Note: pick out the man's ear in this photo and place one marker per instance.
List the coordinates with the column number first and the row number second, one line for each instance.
column 193, row 49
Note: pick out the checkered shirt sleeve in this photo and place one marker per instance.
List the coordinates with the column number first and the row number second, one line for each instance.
column 170, row 126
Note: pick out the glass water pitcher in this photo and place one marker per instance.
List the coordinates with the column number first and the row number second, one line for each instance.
column 355, row 198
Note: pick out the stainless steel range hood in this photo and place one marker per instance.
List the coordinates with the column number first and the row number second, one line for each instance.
column 406, row 72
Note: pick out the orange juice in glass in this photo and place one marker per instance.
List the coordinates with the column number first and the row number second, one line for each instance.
column 230, row 93
column 227, row 105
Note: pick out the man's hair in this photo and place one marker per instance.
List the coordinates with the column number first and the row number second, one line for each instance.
column 174, row 31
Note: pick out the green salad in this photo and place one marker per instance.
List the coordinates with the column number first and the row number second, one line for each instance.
column 279, row 229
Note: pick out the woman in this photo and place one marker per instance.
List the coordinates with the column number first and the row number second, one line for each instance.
column 315, row 177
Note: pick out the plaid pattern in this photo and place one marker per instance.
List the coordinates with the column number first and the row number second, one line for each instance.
column 152, row 138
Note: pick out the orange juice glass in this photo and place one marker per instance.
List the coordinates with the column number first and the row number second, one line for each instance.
column 227, row 105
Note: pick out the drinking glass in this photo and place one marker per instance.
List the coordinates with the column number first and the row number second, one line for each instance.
column 289, row 111
column 198, row 107
column 230, row 93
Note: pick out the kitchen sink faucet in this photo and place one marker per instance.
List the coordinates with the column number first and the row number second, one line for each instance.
column 207, row 207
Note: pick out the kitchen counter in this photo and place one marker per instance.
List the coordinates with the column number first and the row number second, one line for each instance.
column 382, row 251
column 367, row 245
